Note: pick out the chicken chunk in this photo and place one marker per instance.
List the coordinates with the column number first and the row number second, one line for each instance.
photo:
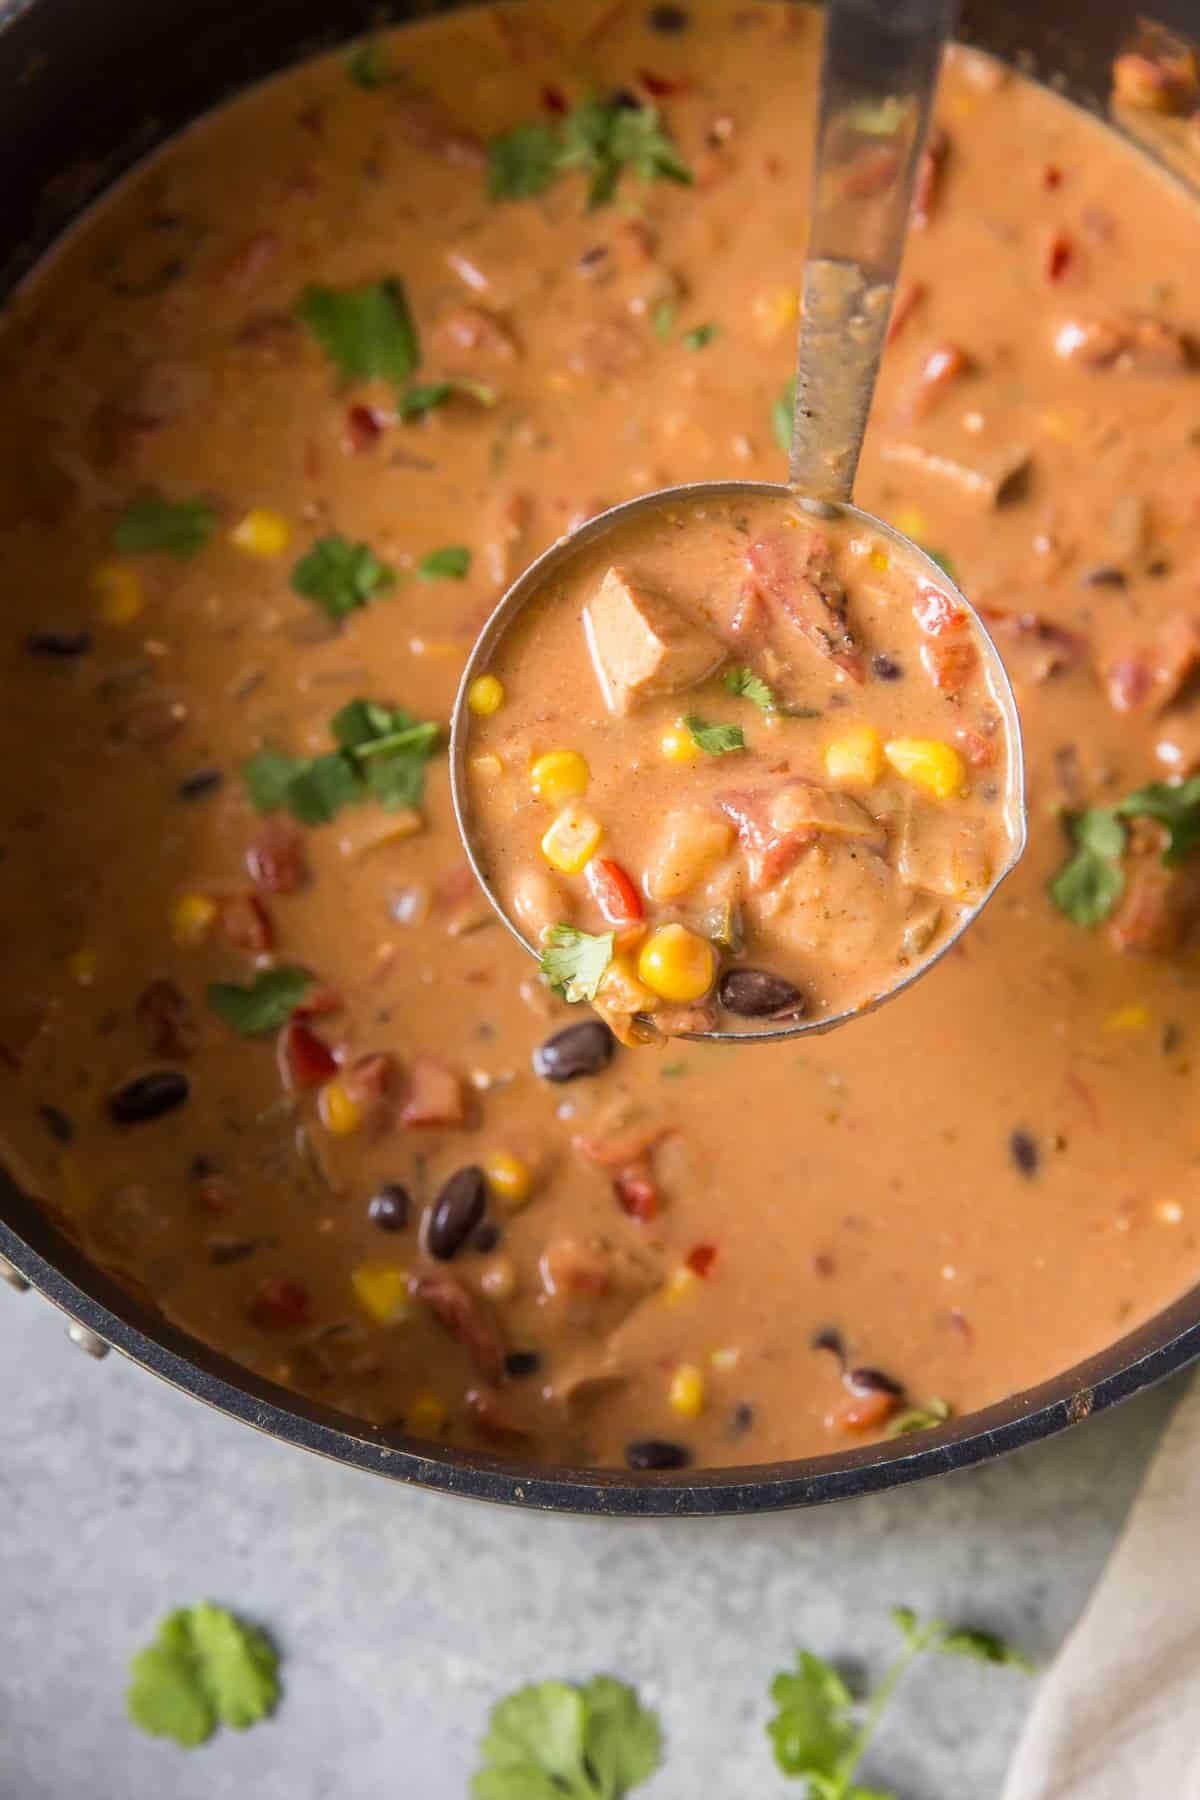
column 642, row 644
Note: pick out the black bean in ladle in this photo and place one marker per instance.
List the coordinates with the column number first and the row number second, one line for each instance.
column 456, row 1212
column 657, row 1453
column 148, row 1096
column 757, row 994
column 578, row 1050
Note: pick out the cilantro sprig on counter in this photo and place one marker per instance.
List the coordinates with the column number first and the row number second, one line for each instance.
column 820, row 1734
column 340, row 577
column 205, row 1668
column 601, row 137
column 714, row 740
column 1092, row 880
column 591, row 1742
column 150, row 523
column 264, row 1004
column 573, row 962
column 381, row 753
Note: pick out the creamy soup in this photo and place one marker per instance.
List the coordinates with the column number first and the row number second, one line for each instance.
column 734, row 762
column 284, row 416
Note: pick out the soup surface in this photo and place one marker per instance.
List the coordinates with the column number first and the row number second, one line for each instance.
column 283, row 417
column 735, row 763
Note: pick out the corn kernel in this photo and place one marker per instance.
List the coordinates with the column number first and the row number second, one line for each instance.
column 485, row 696
column 680, row 1283
column 677, row 965
column 855, row 756
column 726, row 1360
column 776, row 311
column 487, row 767
column 687, row 1391
column 880, row 561
column 911, row 522
column 382, row 1293
column 192, row 918
column 81, row 966
column 509, row 1179
column 425, row 1415
column 928, row 763
column 1128, row 1018
column 262, row 533
column 340, row 1112
column 572, row 840
column 118, row 591
column 678, row 745
column 559, row 776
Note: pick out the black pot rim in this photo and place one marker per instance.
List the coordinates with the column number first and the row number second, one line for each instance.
column 58, row 1269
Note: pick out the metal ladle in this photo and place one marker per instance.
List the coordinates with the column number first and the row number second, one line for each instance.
column 879, row 70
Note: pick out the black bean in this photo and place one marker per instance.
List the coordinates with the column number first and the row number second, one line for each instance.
column 757, row 994
column 624, row 100
column 1172, row 1038
column 1022, row 1147
column 522, row 1362
column 456, row 1212
column 657, row 1453
column 668, row 19
column 742, row 1420
column 871, row 1381
column 1104, row 575
column 59, row 643
column 830, row 1338
column 202, row 1166
column 486, row 1238
column 389, row 1207
column 148, row 1097
column 886, row 668
column 231, row 1250
column 578, row 1050
column 204, row 781
column 57, row 1123
column 1158, row 568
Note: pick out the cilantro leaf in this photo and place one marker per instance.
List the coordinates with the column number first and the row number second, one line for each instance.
column 745, row 684
column 699, row 336
column 393, row 763
column 812, row 1732
column 664, row 319
column 269, row 776
column 714, row 740
column 321, row 787
column 266, row 1004
column 550, row 1739
column 622, row 1744
column 934, row 1412
column 174, row 527
column 450, row 563
column 366, row 63
column 782, row 414
column 340, row 576
column 367, row 331
column 426, row 397
column 1090, row 883
column 204, row 1668
column 359, row 721
column 636, row 139
column 573, row 962
column 1175, row 805
column 382, row 751
column 523, row 161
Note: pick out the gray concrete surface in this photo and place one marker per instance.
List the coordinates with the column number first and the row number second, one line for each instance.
column 403, row 1615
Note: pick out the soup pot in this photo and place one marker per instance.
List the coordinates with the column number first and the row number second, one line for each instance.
column 85, row 92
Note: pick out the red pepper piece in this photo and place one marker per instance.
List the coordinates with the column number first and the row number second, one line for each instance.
column 365, row 426
column 435, row 1095
column 275, row 858
column 1060, row 255
column 937, row 614
column 246, row 923
column 661, row 87
column 637, row 1191
column 614, row 892
column 305, row 1060
column 701, row 1258
column 280, row 1305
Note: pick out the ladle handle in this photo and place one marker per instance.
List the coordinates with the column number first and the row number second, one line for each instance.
column 879, row 71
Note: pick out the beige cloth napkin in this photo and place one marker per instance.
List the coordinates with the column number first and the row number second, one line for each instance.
column 1118, row 1716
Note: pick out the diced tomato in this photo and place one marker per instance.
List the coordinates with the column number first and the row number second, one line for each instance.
column 949, row 665
column 770, row 853
column 166, row 1020
column 662, row 86
column 701, row 1258
column 979, row 751
column 305, row 1060
column 614, row 892
column 281, row 1305
column 364, row 427
column 569, row 1267
column 941, row 369
column 937, row 614
column 368, row 1078
column 637, row 1191
column 863, row 1412
column 1129, row 683
column 467, row 1319
column 1060, row 255
column 275, row 857
column 435, row 1095
column 554, row 101
column 319, row 1000
column 246, row 923
column 213, row 1196
column 1051, row 176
